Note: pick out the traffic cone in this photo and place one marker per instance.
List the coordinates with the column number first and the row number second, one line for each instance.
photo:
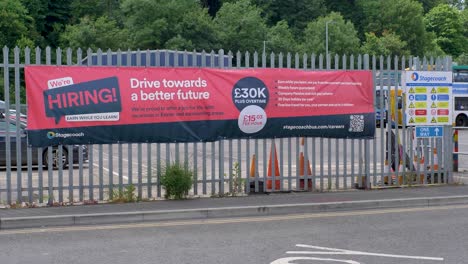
column 400, row 170
column 301, row 168
column 386, row 172
column 421, row 168
column 269, row 181
column 436, row 160
column 253, row 173
column 252, row 167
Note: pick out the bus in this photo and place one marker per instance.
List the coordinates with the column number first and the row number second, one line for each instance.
column 460, row 95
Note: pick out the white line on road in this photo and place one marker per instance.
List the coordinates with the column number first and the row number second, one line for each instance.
column 106, row 169
column 337, row 251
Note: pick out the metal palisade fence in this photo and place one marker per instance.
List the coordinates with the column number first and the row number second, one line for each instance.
column 231, row 166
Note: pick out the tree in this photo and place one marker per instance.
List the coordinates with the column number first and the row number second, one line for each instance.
column 51, row 17
column 153, row 23
column 341, row 35
column 95, row 9
column 280, row 39
column 212, row 5
column 347, row 8
column 298, row 13
column 14, row 19
column 388, row 44
column 403, row 17
column 462, row 59
column 429, row 4
column 240, row 26
column 445, row 22
column 95, row 33
column 198, row 29
column 459, row 4
column 38, row 11
column 464, row 23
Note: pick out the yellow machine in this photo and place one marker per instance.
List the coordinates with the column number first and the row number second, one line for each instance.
column 398, row 112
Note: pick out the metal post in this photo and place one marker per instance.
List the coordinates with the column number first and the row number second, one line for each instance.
column 326, row 37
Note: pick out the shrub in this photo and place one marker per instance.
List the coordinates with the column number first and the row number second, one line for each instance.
column 177, row 181
column 124, row 196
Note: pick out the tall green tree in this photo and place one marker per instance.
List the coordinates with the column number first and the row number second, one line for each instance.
column 429, row 4
column 212, row 5
column 95, row 9
column 342, row 36
column 280, row 39
column 153, row 23
column 14, row 22
column 464, row 22
column 347, row 8
column 298, row 13
column 389, row 44
column 95, row 33
column 403, row 17
column 459, row 4
column 50, row 18
column 446, row 23
column 241, row 27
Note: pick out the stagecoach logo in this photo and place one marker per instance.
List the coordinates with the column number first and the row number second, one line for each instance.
column 428, row 77
column 52, row 135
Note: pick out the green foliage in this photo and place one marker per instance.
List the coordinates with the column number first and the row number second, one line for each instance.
column 182, row 23
column 14, row 19
column 237, row 181
column 124, row 196
column 429, row 4
column 177, row 181
column 49, row 19
column 240, row 26
column 462, row 59
column 280, row 39
column 297, row 13
column 342, row 37
column 403, row 17
column 95, row 33
column 388, row 44
column 428, row 27
column 446, row 23
column 94, row 9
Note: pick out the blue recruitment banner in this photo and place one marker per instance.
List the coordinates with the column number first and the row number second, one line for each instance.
column 429, row 131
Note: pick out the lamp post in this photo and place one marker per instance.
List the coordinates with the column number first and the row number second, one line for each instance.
column 326, row 36
column 264, row 46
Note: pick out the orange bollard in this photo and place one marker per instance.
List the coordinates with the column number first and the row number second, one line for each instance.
column 436, row 160
column 277, row 173
column 301, row 168
column 252, row 167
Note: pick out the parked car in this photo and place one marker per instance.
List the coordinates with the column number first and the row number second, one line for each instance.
column 10, row 127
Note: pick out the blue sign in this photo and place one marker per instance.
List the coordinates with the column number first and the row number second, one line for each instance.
column 421, row 97
column 411, row 97
column 433, row 97
column 443, row 97
column 460, row 88
column 429, row 131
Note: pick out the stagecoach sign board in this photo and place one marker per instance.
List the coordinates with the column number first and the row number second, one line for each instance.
column 428, row 96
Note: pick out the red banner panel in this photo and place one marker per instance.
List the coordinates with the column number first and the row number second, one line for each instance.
column 74, row 104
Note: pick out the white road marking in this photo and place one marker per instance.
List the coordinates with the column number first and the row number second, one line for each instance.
column 289, row 260
column 106, row 169
column 338, row 251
